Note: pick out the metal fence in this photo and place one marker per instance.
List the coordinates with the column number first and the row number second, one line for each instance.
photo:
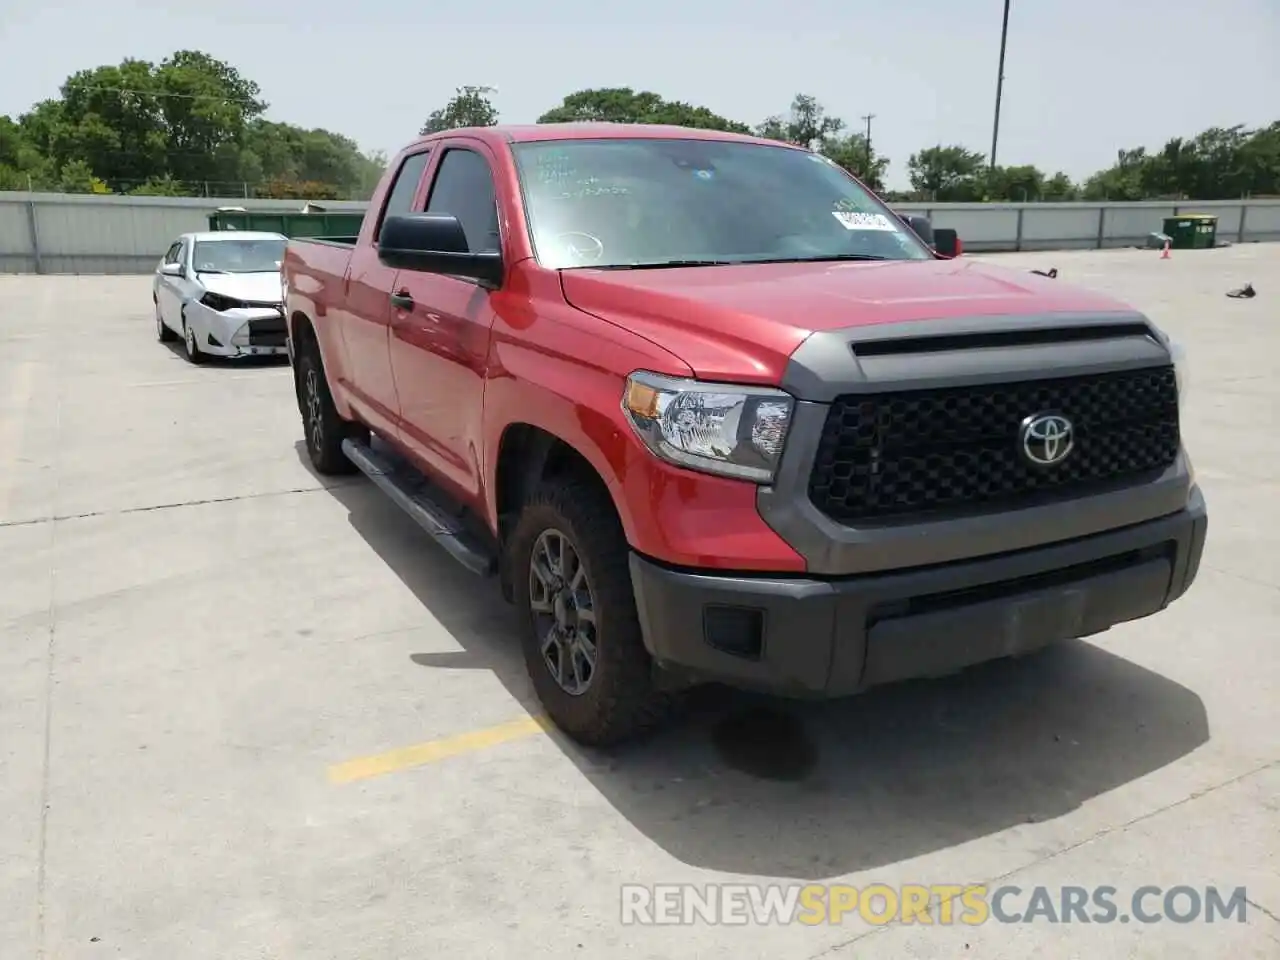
column 69, row 233
column 89, row 234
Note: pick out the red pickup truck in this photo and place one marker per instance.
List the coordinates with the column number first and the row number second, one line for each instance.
column 711, row 412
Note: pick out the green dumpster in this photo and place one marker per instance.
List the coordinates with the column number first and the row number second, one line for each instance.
column 291, row 223
column 1192, row 231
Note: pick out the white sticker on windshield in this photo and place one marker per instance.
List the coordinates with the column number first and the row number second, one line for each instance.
column 863, row 221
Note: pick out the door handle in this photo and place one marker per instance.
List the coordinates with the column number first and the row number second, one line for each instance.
column 402, row 300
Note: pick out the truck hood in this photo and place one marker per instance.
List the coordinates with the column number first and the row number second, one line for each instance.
column 743, row 322
column 251, row 287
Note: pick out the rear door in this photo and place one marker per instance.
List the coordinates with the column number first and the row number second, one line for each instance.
column 440, row 345
column 367, row 307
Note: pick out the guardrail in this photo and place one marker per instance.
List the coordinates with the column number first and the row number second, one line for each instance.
column 88, row 234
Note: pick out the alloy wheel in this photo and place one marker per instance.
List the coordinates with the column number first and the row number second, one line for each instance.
column 563, row 610
column 315, row 411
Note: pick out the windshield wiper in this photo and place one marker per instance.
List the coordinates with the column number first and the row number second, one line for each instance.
column 659, row 264
column 213, row 271
column 821, row 259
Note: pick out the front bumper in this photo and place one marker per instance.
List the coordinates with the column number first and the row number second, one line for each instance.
column 839, row 635
column 242, row 332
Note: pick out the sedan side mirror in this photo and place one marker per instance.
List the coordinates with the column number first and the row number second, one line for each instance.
column 171, row 269
column 435, row 243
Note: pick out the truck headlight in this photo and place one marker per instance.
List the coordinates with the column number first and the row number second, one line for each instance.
column 721, row 428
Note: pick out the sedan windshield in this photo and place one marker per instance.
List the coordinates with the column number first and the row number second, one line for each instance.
column 667, row 202
column 238, row 256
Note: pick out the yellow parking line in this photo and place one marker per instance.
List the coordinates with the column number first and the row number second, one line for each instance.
column 363, row 768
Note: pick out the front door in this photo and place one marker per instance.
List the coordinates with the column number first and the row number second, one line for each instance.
column 440, row 344
column 370, row 385
column 171, row 290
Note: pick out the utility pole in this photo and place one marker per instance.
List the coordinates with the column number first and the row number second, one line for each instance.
column 995, row 127
column 870, row 172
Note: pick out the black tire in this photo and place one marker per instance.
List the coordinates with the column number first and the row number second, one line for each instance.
column 322, row 428
column 190, row 349
column 621, row 701
column 163, row 333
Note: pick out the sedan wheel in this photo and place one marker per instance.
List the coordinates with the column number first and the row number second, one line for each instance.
column 189, row 341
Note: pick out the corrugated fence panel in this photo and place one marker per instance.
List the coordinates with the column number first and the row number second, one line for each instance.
column 16, row 253
column 1262, row 222
column 111, row 234
column 1059, row 227
column 980, row 226
column 110, row 238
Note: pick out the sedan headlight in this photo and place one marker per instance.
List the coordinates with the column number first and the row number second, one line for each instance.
column 722, row 428
column 216, row 301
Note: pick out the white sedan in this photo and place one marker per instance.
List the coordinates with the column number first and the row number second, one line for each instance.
column 220, row 292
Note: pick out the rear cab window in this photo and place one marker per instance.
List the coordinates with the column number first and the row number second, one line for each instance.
column 403, row 189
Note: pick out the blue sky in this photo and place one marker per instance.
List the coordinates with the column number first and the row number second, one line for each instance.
column 1083, row 78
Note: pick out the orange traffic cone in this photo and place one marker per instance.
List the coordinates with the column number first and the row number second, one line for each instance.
column 1164, row 254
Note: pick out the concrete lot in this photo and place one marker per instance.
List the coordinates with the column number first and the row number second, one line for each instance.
column 209, row 659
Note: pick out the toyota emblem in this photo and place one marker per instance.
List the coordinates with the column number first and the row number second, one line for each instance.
column 1046, row 439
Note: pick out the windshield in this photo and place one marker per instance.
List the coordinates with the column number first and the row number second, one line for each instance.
column 262, row 255
column 654, row 202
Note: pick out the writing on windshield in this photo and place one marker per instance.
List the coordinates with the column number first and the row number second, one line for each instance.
column 238, row 256
column 654, row 202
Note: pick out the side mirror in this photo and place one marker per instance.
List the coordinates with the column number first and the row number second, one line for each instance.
column 435, row 243
column 947, row 242
column 171, row 269
column 920, row 226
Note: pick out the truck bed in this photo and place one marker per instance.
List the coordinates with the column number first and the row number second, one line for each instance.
column 321, row 258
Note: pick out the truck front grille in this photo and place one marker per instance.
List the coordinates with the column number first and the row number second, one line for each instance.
column 267, row 333
column 890, row 454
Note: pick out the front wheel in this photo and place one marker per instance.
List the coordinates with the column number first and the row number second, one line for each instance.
column 190, row 346
column 581, row 634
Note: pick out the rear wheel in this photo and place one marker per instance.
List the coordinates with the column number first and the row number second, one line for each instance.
column 581, row 634
column 324, row 428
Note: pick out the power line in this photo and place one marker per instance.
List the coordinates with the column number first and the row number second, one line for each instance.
column 162, row 95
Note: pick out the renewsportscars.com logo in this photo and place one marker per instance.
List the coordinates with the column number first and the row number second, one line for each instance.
column 940, row 904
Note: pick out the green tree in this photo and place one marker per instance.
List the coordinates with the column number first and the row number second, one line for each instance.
column 625, row 105
column 948, row 174
column 1059, row 187
column 851, row 153
column 76, row 177
column 206, row 106
column 1123, row 181
column 469, row 107
column 807, row 124
column 1018, row 184
column 161, row 187
column 22, row 165
column 1220, row 163
column 280, row 153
